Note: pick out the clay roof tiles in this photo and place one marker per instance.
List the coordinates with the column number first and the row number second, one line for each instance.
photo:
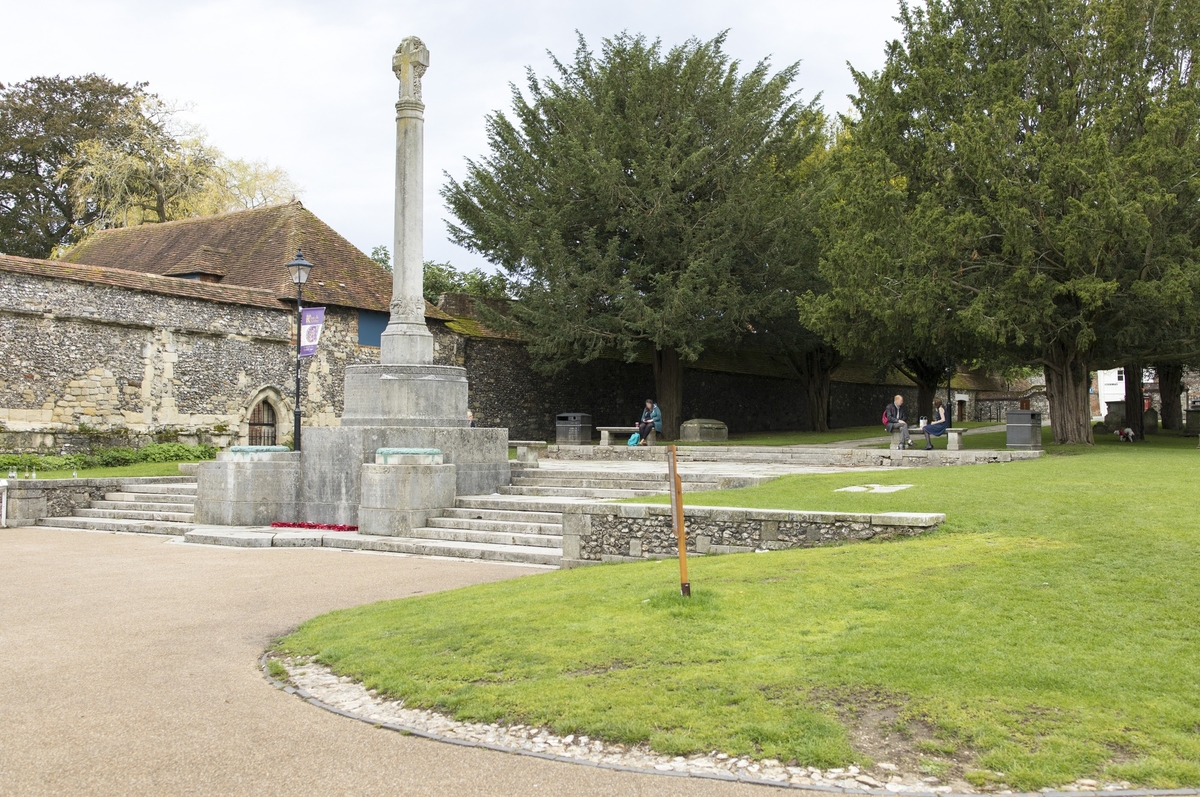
column 134, row 280
column 250, row 247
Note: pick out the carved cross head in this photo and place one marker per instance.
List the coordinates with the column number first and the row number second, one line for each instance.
column 409, row 63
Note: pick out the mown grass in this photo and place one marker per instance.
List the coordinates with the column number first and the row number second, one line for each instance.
column 140, row 469
column 1048, row 631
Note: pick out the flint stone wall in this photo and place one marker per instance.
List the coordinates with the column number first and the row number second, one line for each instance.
column 138, row 366
column 629, row 532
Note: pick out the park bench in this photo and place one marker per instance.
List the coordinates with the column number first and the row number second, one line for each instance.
column 954, row 439
column 606, row 433
column 527, row 450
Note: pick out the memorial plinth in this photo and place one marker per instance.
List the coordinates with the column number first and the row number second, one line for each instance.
column 405, row 402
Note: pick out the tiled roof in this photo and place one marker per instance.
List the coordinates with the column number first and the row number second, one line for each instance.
column 133, row 280
column 251, row 247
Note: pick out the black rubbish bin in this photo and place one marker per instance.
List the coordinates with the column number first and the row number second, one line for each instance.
column 1024, row 428
column 1192, row 429
column 574, row 429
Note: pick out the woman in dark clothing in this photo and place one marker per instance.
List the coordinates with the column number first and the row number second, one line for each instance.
column 939, row 426
column 651, row 419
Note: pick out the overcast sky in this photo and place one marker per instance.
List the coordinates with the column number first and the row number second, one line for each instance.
column 308, row 86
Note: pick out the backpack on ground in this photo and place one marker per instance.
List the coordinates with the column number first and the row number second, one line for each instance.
column 634, row 439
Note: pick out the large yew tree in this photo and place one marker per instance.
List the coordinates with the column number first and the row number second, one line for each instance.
column 635, row 198
column 1039, row 161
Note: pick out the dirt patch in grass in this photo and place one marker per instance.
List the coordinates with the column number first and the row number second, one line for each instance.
column 883, row 730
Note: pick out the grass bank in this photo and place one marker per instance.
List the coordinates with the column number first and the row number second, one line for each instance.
column 141, row 469
column 1048, row 632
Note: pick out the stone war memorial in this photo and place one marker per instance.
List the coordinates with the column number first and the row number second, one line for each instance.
column 404, row 447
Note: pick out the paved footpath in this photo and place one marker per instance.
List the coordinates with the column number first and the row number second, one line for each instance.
column 129, row 667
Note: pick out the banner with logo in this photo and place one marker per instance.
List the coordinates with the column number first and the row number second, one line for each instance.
column 311, row 321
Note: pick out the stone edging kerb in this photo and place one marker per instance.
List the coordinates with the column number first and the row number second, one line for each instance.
column 722, row 776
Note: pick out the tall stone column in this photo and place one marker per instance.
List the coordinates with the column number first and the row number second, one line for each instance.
column 407, row 340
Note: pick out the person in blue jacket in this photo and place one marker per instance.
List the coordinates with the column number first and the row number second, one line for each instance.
column 651, row 419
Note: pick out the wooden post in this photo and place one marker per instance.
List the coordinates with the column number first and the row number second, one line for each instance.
column 685, row 588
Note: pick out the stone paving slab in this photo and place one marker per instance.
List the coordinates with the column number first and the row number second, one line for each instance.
column 230, row 536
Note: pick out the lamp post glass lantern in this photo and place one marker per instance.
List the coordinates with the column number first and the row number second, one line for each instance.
column 298, row 268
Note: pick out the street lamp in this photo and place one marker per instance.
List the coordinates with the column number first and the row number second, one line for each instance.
column 298, row 268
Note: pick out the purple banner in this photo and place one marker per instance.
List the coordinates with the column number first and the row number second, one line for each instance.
column 311, row 321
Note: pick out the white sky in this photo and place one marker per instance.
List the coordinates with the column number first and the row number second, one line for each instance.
column 308, row 86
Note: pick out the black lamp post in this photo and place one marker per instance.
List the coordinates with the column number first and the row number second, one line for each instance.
column 299, row 268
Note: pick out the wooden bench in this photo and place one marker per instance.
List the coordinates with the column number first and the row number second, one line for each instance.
column 527, row 450
column 606, row 433
column 954, row 439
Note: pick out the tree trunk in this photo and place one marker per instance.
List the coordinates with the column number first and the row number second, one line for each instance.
column 1170, row 391
column 1067, row 384
column 927, row 377
column 815, row 368
column 1133, row 400
column 668, row 381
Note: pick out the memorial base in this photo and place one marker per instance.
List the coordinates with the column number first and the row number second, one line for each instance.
column 248, row 486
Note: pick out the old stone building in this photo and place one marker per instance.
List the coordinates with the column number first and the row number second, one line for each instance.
column 186, row 330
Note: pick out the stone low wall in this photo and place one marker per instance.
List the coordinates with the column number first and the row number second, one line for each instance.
column 32, row 499
column 813, row 456
column 629, row 532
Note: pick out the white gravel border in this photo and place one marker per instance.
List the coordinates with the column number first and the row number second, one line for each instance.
column 318, row 685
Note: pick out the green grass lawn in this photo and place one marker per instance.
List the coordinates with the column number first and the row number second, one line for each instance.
column 1049, row 631
column 140, row 469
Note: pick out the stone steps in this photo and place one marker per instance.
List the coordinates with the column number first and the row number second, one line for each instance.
column 174, row 488
column 468, row 513
column 151, row 498
column 579, row 492
column 142, row 506
column 114, row 524
column 139, row 506
column 451, row 535
column 521, row 554
column 135, row 514
column 516, row 503
column 502, row 526
column 593, row 483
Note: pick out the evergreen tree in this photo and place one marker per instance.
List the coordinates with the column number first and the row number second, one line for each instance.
column 1028, row 171
column 634, row 201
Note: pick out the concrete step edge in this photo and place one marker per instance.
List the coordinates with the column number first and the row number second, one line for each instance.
column 132, row 526
column 499, row 526
column 514, row 516
column 436, row 534
column 122, row 514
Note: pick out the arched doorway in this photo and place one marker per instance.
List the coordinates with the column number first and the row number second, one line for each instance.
column 262, row 424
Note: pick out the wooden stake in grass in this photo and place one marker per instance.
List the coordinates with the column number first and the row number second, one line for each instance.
column 685, row 588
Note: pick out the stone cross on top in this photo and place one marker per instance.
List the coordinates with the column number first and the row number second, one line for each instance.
column 409, row 63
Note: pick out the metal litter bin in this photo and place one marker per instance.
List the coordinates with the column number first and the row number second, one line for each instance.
column 1024, row 430
column 574, row 429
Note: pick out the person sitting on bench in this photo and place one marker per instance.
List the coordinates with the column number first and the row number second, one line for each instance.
column 894, row 417
column 939, row 426
column 651, row 419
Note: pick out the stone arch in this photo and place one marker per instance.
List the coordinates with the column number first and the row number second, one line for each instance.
column 268, row 402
